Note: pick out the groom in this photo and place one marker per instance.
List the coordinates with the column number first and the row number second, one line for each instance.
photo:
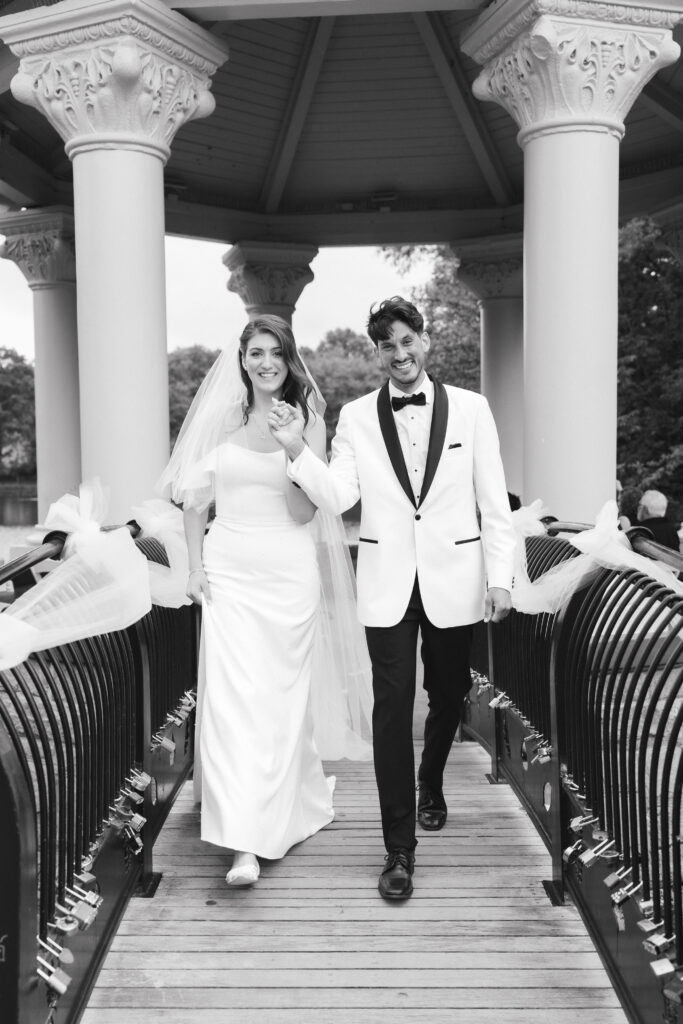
column 434, row 554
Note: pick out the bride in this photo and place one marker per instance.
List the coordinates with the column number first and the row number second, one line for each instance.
column 257, row 578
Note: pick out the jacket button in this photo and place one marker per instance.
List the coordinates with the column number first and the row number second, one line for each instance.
column 418, row 516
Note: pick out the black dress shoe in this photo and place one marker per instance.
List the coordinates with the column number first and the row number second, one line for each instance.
column 396, row 881
column 431, row 808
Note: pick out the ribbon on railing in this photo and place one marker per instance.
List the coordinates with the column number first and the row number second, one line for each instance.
column 603, row 546
column 164, row 522
column 101, row 584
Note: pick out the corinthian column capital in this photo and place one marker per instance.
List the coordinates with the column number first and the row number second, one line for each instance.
column 561, row 65
column 41, row 243
column 124, row 74
column 269, row 277
column 491, row 267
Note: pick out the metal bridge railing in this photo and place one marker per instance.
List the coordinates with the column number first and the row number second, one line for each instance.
column 582, row 713
column 95, row 740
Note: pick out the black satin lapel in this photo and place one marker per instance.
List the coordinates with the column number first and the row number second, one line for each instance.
column 437, row 437
column 390, row 435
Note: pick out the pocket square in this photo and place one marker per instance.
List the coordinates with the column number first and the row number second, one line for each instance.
column 456, row 444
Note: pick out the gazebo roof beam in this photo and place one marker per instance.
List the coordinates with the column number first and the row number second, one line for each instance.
column 239, row 10
column 22, row 180
column 664, row 102
column 456, row 86
column 315, row 47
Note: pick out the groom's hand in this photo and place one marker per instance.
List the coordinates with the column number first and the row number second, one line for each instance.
column 286, row 424
column 497, row 604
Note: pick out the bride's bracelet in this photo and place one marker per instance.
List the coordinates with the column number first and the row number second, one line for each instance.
column 200, row 569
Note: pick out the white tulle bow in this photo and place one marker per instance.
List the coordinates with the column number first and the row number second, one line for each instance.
column 101, row 585
column 164, row 522
column 603, row 546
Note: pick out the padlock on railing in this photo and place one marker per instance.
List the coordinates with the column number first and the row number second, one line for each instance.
column 658, row 943
column 542, row 755
column 82, row 912
column 590, row 856
column 673, row 989
column 615, row 878
column 571, row 853
column 57, row 979
column 624, row 894
column 160, row 741
column 662, row 968
column 580, row 822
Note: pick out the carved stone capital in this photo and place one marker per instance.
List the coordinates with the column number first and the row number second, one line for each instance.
column 269, row 278
column 41, row 243
column 124, row 74
column 563, row 65
column 491, row 267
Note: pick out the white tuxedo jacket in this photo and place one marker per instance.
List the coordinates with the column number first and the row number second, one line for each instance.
column 438, row 537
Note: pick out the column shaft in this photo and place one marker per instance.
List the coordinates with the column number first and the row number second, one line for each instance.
column 502, row 380
column 570, row 270
column 119, row 213
column 58, row 438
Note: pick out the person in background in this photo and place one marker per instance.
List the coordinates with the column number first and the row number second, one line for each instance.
column 652, row 514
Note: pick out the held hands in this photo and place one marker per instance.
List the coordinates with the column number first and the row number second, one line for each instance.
column 198, row 587
column 497, row 604
column 286, row 424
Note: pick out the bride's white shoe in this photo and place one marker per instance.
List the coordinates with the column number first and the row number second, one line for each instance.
column 243, row 873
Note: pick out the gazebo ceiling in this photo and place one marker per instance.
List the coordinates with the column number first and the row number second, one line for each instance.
column 333, row 126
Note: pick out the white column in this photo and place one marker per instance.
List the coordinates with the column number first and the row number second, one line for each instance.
column 41, row 243
column 269, row 277
column 117, row 79
column 492, row 269
column 569, row 78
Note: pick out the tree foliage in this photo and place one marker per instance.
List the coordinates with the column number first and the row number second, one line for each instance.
column 187, row 368
column 650, row 389
column 17, row 416
column 344, row 366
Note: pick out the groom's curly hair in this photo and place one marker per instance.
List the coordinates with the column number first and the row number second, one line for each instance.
column 395, row 308
column 297, row 386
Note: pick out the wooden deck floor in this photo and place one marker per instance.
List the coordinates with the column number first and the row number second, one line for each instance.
column 478, row 943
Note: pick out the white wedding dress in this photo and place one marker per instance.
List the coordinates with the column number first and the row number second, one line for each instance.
column 261, row 779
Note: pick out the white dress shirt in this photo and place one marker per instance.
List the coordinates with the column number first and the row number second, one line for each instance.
column 414, row 423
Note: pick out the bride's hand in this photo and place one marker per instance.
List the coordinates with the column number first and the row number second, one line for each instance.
column 198, row 586
column 286, row 424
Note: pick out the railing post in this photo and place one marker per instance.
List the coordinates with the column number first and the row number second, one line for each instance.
column 555, row 886
column 21, row 998
column 495, row 776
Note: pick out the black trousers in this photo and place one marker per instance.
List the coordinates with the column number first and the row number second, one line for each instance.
column 393, row 653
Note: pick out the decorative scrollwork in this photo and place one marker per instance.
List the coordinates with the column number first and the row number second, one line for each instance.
column 112, row 91
column 561, row 72
column 263, row 283
column 45, row 258
column 496, row 28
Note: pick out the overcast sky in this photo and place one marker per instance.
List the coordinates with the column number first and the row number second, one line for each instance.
column 201, row 310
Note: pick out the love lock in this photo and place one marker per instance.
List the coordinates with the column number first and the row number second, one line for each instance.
column 590, row 856
column 658, row 943
column 616, row 877
column 66, row 924
column 55, row 977
column 571, row 853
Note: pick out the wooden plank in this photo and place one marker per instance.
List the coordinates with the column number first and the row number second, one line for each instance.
column 351, row 998
column 313, row 941
column 368, row 1015
column 326, row 960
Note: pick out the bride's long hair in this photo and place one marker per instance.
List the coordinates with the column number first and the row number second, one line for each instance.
column 297, row 386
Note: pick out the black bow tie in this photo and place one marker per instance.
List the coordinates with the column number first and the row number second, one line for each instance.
column 398, row 401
